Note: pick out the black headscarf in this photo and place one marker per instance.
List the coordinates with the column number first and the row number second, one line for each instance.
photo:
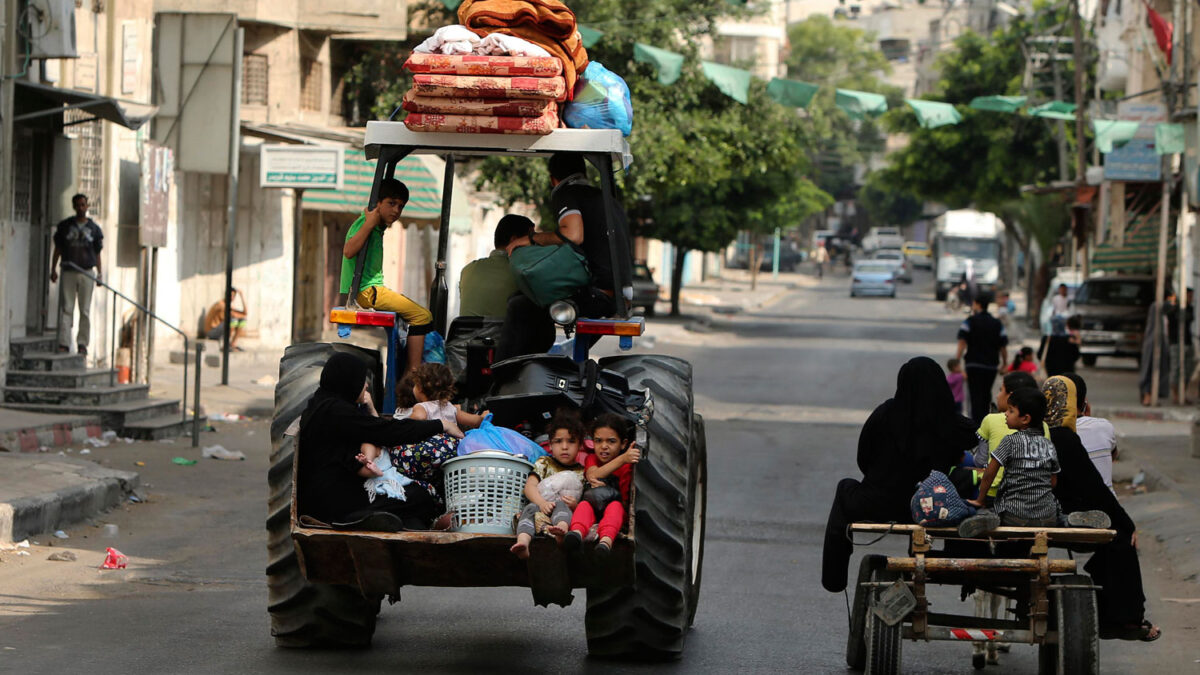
column 915, row 431
column 342, row 379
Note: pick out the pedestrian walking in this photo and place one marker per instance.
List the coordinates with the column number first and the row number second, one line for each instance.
column 821, row 257
column 77, row 243
column 983, row 348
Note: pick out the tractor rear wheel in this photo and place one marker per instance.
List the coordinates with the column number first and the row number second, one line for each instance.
column 304, row 614
column 649, row 619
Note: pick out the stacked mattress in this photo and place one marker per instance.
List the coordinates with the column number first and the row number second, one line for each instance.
column 484, row 94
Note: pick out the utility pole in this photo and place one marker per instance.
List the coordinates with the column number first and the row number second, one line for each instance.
column 1170, row 91
column 1078, row 57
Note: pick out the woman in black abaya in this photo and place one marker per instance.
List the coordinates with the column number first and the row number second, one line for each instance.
column 907, row 436
column 330, row 475
column 1114, row 567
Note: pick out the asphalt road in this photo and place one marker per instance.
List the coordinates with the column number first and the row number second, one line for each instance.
column 194, row 597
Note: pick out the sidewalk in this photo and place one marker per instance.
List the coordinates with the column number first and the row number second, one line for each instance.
column 43, row 493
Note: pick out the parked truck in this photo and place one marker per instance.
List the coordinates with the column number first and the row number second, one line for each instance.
column 966, row 239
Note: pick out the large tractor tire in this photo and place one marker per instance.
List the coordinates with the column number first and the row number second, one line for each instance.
column 649, row 619
column 305, row 614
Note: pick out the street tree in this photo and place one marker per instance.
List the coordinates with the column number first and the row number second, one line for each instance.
column 983, row 161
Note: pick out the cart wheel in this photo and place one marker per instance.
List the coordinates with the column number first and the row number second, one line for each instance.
column 856, row 645
column 1074, row 613
column 883, row 641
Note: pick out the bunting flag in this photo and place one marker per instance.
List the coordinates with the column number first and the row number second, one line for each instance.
column 860, row 104
column 934, row 114
column 1112, row 133
column 1055, row 110
column 733, row 82
column 1163, row 30
column 791, row 93
column 590, row 36
column 668, row 64
column 1169, row 139
column 1006, row 104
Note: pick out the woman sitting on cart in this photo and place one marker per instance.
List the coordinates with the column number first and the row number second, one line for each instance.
column 909, row 435
column 1114, row 566
column 333, row 429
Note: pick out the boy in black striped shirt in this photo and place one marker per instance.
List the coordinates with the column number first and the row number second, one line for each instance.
column 1030, row 462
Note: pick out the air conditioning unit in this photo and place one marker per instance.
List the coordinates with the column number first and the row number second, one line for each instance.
column 49, row 25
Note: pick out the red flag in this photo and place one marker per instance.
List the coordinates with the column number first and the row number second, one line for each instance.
column 1163, row 30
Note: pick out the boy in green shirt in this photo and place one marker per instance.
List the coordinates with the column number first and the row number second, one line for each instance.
column 367, row 232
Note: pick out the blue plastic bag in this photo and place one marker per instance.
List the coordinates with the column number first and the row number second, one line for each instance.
column 936, row 503
column 601, row 101
column 491, row 437
column 435, row 348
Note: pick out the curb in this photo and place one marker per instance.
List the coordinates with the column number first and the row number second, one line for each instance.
column 30, row 439
column 98, row 489
column 1186, row 415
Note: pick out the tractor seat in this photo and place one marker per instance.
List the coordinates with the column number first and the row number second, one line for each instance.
column 363, row 317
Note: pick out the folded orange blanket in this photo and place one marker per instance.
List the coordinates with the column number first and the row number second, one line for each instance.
column 471, row 64
column 521, row 107
column 552, row 17
column 547, row 23
column 483, row 124
column 478, row 86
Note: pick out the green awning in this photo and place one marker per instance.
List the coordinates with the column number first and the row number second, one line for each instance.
column 860, row 104
column 1007, row 104
column 424, row 188
column 791, row 92
column 934, row 114
column 733, row 82
column 668, row 64
column 1111, row 133
column 590, row 36
column 1169, row 139
column 1055, row 110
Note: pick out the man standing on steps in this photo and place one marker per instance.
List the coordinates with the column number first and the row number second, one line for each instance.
column 983, row 338
column 77, row 240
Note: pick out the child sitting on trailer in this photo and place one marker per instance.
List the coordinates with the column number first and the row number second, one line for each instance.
column 609, row 472
column 550, row 512
column 1030, row 463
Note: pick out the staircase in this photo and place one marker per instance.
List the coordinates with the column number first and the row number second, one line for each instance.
column 41, row 380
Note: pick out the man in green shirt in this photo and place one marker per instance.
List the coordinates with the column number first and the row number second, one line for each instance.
column 485, row 285
column 367, row 232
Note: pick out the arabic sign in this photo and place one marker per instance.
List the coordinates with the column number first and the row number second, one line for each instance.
column 302, row 166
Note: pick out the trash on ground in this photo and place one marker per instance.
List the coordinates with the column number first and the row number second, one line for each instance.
column 22, row 552
column 96, row 442
column 183, row 461
column 108, row 435
column 227, row 417
column 1139, row 478
column 61, row 535
column 221, row 452
column 85, row 451
column 12, row 547
column 134, row 499
column 62, row 556
column 266, row 381
column 139, row 463
column 115, row 560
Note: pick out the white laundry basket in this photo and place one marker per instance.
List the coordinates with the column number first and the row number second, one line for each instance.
column 484, row 490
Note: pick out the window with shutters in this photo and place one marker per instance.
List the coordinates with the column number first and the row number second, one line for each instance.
column 311, row 73
column 254, row 79
column 90, row 134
